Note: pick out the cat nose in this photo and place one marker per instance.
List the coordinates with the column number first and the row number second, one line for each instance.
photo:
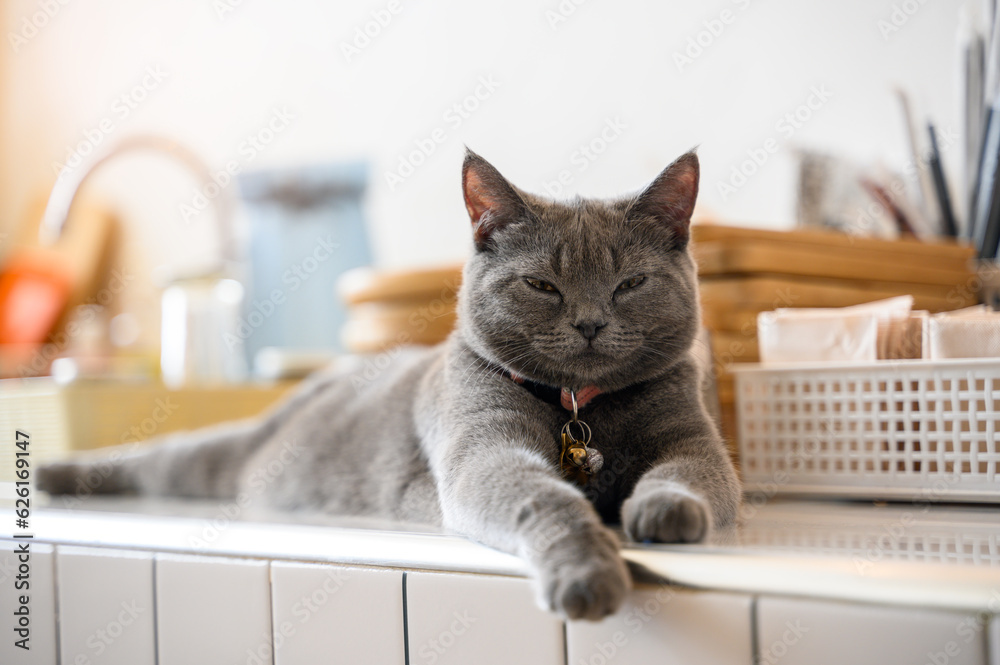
column 589, row 329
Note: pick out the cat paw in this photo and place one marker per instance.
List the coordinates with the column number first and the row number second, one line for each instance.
column 666, row 514
column 583, row 576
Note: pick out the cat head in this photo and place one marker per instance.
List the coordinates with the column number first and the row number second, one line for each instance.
column 585, row 291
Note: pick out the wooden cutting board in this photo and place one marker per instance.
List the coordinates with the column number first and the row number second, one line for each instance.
column 725, row 258
column 945, row 253
column 765, row 293
column 730, row 319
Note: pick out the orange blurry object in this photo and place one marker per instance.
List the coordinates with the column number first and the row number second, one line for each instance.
column 34, row 292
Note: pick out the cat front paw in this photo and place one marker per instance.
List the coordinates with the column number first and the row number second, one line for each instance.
column 666, row 513
column 582, row 576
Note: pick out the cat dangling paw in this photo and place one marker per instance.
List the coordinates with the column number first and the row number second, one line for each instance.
column 582, row 575
column 666, row 513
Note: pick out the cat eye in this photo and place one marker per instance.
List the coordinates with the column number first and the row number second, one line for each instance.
column 632, row 282
column 540, row 285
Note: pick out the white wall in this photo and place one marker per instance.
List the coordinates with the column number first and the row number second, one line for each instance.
column 557, row 89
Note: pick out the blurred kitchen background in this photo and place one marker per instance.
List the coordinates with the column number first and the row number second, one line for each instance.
column 273, row 146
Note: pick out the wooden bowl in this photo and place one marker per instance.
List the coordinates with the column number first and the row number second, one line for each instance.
column 398, row 307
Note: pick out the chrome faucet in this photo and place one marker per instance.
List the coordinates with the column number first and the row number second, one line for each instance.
column 68, row 185
column 197, row 310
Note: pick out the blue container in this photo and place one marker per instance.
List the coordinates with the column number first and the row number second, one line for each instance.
column 307, row 227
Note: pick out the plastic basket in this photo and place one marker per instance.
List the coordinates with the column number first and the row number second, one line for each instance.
column 911, row 429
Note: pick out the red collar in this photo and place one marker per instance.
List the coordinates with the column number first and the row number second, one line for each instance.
column 583, row 395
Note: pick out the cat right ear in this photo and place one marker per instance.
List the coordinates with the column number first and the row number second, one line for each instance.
column 491, row 201
column 670, row 199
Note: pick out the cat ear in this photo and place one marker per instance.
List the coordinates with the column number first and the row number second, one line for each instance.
column 491, row 201
column 669, row 200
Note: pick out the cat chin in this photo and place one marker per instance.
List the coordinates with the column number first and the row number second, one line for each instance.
column 608, row 379
column 615, row 372
column 609, row 372
column 562, row 374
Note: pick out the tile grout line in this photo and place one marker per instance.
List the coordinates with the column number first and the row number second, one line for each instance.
column 406, row 627
column 754, row 639
column 156, row 615
column 270, row 613
column 55, row 602
column 565, row 644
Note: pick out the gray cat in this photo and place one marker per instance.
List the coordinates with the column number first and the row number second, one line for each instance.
column 592, row 300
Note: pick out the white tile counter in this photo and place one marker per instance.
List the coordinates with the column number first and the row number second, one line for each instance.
column 797, row 582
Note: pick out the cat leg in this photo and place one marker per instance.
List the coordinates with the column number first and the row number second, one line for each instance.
column 499, row 483
column 684, row 497
column 511, row 498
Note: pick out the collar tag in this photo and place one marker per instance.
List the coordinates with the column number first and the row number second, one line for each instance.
column 577, row 459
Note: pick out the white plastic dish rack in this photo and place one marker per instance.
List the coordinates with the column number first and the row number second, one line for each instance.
column 906, row 430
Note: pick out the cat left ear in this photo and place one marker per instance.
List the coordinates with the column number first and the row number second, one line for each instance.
column 491, row 201
column 670, row 199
